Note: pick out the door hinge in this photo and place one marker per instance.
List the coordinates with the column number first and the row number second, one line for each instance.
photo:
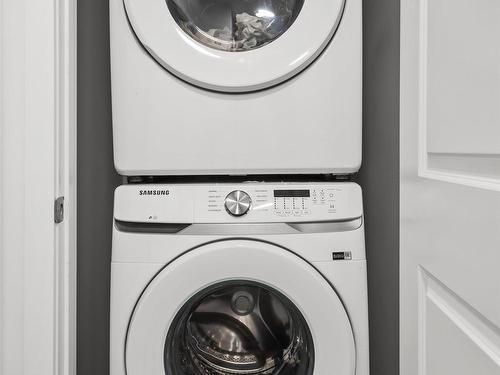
column 59, row 210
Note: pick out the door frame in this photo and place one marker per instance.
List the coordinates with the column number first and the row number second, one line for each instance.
column 37, row 165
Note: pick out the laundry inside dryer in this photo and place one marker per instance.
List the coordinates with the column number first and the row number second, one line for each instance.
column 235, row 25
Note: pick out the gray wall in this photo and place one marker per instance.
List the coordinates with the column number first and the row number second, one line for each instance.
column 379, row 178
column 97, row 180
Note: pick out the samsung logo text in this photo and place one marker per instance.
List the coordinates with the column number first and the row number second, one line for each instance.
column 154, row 192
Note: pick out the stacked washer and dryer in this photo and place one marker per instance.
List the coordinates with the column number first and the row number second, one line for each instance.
column 238, row 241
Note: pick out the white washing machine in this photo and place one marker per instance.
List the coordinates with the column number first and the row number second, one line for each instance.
column 252, row 278
column 231, row 87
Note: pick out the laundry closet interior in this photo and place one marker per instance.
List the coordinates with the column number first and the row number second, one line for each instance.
column 286, row 200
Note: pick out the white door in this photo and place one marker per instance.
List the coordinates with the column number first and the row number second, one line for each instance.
column 234, row 46
column 450, row 187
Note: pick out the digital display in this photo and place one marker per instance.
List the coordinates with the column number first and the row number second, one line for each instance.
column 292, row 193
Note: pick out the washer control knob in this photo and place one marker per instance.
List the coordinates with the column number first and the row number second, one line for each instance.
column 238, row 203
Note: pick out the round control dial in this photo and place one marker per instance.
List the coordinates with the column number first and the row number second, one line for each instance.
column 238, row 203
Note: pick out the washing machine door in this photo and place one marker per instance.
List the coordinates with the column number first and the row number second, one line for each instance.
column 234, row 45
column 239, row 307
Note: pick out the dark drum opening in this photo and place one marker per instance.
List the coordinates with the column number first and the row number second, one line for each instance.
column 234, row 25
column 239, row 327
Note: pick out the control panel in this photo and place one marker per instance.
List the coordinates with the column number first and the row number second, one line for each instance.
column 244, row 202
column 264, row 202
column 279, row 202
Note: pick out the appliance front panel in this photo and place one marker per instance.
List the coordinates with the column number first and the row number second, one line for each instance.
column 276, row 323
column 310, row 124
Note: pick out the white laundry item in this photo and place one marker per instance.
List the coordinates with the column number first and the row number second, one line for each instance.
column 250, row 31
column 224, row 34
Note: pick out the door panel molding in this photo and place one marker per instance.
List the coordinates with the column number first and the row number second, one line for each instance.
column 473, row 160
column 476, row 328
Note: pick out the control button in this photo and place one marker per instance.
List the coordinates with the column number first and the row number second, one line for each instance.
column 238, row 203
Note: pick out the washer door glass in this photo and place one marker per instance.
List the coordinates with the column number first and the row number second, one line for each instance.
column 239, row 327
column 235, row 25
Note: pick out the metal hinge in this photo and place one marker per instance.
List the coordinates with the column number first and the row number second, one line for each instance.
column 59, row 210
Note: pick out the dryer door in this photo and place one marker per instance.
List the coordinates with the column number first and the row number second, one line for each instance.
column 234, row 45
column 239, row 307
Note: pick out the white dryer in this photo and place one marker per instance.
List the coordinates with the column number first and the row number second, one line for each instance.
column 253, row 278
column 228, row 87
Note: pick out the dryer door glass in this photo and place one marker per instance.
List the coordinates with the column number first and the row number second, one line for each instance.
column 235, row 25
column 239, row 327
